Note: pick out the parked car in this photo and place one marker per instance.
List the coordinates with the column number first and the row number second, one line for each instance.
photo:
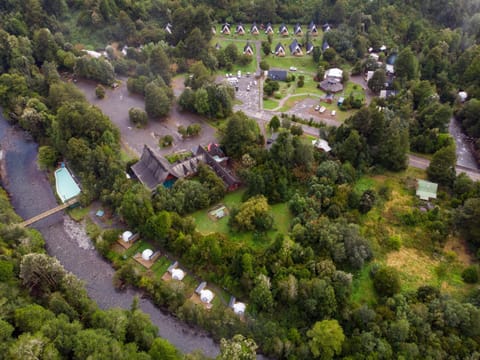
column 334, row 112
column 317, row 107
column 322, row 109
column 293, row 68
column 248, row 87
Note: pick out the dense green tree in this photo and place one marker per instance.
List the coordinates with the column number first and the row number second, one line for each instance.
column 157, row 101
column 326, row 339
column 386, row 281
column 138, row 117
column 253, row 214
column 406, row 66
column 237, row 348
column 160, row 64
column 378, row 80
column 240, row 136
column 466, row 220
column 95, row 69
column 161, row 349
column 442, row 166
column 136, row 207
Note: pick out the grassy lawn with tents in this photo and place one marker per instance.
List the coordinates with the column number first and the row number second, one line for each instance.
column 280, row 213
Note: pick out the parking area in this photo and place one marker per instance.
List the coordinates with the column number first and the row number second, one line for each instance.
column 247, row 91
column 306, row 110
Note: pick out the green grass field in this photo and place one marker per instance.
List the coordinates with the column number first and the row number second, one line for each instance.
column 270, row 104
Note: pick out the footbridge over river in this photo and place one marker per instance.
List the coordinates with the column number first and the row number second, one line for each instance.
column 47, row 213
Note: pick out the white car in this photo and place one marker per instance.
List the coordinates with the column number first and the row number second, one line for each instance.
column 293, row 68
column 317, row 108
column 248, row 87
column 322, row 109
column 334, row 112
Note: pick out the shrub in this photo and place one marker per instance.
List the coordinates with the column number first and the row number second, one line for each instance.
column 470, row 275
column 394, row 242
column 386, row 281
column 166, row 141
column 100, row 92
column 138, row 117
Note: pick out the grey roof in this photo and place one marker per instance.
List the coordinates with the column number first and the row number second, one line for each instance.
column 151, row 169
column 223, row 173
column 297, row 29
column 278, row 47
column 295, row 46
column 277, row 75
column 312, row 27
column 283, row 28
column 309, row 47
column 254, row 27
column 325, row 45
column 248, row 46
column 331, row 85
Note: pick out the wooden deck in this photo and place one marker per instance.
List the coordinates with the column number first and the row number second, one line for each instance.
column 48, row 212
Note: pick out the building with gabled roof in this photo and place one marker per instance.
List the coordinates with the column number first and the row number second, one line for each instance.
column 248, row 49
column 254, row 29
column 312, row 29
column 295, row 48
column 153, row 170
column 297, row 30
column 283, row 30
column 226, row 29
column 280, row 50
column 309, row 48
column 269, row 29
column 240, row 30
column 325, row 45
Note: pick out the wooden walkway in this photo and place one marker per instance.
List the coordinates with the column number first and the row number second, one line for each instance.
column 48, row 212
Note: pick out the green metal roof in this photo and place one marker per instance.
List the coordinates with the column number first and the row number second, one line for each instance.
column 426, row 190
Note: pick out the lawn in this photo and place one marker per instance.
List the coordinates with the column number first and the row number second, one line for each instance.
column 281, row 218
column 302, row 63
column 270, row 104
column 250, row 67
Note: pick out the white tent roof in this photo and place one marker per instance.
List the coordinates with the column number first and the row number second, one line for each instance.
column 463, row 95
column 239, row 308
column 126, row 236
column 321, row 144
column 178, row 274
column 334, row 72
column 206, row 296
column 146, row 254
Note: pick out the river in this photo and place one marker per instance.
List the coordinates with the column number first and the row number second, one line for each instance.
column 31, row 193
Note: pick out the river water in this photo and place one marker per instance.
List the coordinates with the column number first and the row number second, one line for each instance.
column 31, row 193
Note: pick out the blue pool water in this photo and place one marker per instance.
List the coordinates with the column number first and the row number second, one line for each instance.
column 67, row 188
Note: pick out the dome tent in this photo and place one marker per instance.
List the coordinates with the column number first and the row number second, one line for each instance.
column 126, row 236
column 178, row 274
column 239, row 308
column 206, row 296
column 147, row 254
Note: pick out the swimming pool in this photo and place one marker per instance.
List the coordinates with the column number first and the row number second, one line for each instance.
column 67, row 188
